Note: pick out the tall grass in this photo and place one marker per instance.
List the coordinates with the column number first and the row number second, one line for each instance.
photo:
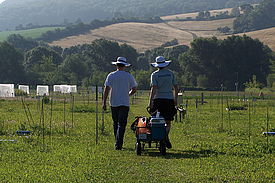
column 227, row 149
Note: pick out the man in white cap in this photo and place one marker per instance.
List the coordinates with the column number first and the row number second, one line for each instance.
column 161, row 96
column 121, row 85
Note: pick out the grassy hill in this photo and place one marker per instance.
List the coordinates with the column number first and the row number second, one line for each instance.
column 29, row 33
column 209, row 28
column 143, row 36
column 46, row 12
column 267, row 36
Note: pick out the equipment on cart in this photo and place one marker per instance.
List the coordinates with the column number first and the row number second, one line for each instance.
column 148, row 130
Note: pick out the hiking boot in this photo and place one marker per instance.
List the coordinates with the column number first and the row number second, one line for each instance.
column 168, row 144
column 118, row 148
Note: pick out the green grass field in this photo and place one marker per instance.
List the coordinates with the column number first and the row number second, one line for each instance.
column 30, row 33
column 210, row 145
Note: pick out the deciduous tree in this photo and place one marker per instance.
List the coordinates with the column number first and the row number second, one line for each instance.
column 11, row 64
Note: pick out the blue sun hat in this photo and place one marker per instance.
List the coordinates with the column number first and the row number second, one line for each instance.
column 160, row 62
column 121, row 60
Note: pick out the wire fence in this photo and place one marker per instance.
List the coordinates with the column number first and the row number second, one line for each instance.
column 207, row 115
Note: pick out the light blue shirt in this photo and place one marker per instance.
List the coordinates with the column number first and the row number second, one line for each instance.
column 164, row 79
column 120, row 83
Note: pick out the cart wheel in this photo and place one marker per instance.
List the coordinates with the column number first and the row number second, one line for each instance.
column 163, row 148
column 138, row 148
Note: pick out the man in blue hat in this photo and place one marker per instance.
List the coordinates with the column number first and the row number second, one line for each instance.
column 121, row 85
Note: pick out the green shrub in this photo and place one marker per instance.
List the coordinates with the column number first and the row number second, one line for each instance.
column 46, row 100
column 18, row 92
column 84, row 109
column 236, row 107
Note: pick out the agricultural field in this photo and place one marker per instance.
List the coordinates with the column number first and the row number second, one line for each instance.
column 267, row 36
column 144, row 36
column 71, row 142
column 203, row 28
column 29, row 33
column 193, row 15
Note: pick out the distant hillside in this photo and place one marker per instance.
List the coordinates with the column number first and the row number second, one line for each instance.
column 29, row 33
column 46, row 12
column 143, row 36
column 267, row 36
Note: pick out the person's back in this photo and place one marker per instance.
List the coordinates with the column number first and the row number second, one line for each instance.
column 122, row 85
column 164, row 79
column 162, row 98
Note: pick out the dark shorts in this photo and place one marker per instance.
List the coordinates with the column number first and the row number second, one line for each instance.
column 166, row 107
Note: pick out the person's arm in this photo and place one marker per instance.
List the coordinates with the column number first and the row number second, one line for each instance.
column 176, row 91
column 133, row 91
column 105, row 96
column 152, row 94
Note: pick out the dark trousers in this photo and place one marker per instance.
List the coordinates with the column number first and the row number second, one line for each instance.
column 119, row 115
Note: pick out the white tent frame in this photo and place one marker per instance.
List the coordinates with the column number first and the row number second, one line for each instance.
column 65, row 88
column 57, row 88
column 42, row 90
column 25, row 88
column 73, row 88
column 7, row 90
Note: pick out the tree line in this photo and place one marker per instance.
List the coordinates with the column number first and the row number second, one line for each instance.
column 206, row 64
column 255, row 18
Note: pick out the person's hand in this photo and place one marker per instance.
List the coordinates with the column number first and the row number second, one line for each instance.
column 176, row 102
column 104, row 107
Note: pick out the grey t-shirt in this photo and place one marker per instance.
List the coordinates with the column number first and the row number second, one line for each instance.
column 120, row 83
column 164, row 79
